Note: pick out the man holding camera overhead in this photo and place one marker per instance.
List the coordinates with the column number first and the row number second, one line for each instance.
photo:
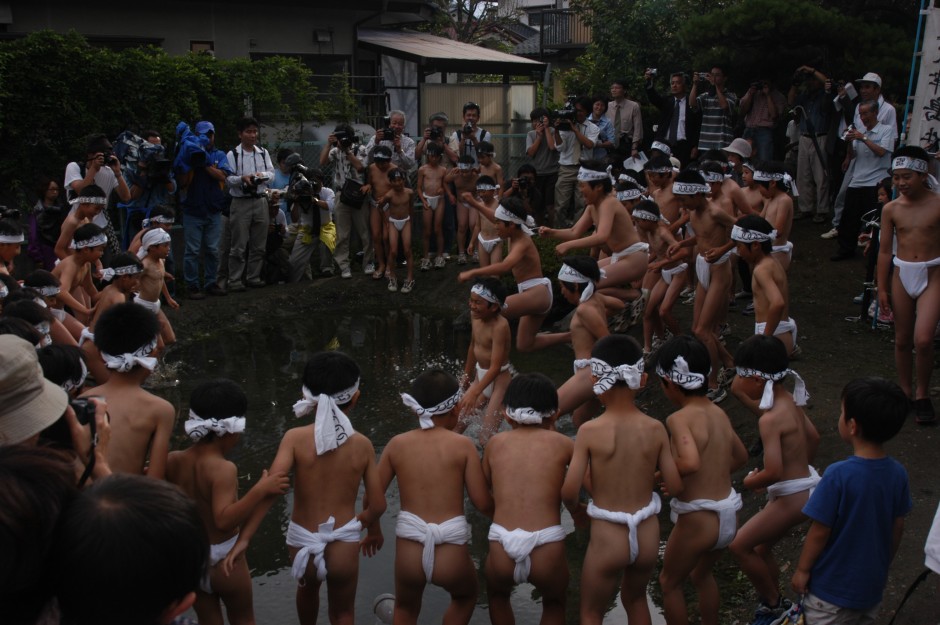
column 678, row 126
column 102, row 168
column 393, row 136
column 717, row 107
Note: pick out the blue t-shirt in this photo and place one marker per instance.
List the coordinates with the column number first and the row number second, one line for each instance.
column 858, row 499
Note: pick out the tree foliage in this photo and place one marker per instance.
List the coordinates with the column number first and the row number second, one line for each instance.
column 56, row 89
column 769, row 38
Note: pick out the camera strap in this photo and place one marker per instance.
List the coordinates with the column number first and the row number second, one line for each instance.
column 90, row 465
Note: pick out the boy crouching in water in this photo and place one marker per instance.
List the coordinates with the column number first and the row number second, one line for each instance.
column 329, row 460
column 433, row 466
column 706, row 450
column 216, row 421
column 790, row 443
column 525, row 467
column 487, row 371
column 624, row 544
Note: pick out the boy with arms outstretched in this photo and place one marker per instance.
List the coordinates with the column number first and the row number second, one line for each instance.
column 706, row 451
column 126, row 337
column 913, row 295
column 624, row 544
column 487, row 371
column 216, row 422
column 525, row 467
column 398, row 200
column 857, row 509
column 329, row 460
column 485, row 202
column 434, row 466
column 790, row 442
column 431, row 188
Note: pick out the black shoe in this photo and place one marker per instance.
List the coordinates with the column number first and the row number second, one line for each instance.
column 193, row 292
column 841, row 256
column 923, row 412
column 256, row 284
column 215, row 289
column 236, row 287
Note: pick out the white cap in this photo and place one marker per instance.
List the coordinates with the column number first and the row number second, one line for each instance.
column 871, row 77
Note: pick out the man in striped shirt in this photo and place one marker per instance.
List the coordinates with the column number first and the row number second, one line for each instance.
column 717, row 107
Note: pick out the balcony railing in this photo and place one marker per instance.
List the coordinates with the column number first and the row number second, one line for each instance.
column 564, row 29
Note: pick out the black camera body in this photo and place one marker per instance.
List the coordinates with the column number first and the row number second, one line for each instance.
column 343, row 138
column 109, row 158
column 159, row 171
column 523, row 183
column 435, row 133
column 566, row 117
column 467, row 129
column 13, row 214
column 84, row 410
column 653, row 71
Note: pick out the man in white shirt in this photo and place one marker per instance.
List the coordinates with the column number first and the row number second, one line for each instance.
column 571, row 138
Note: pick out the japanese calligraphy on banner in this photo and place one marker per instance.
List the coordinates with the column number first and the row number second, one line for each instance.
column 925, row 117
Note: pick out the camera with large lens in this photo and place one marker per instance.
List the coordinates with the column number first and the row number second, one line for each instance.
column 13, row 214
column 566, row 116
column 435, row 133
column 343, row 138
column 304, row 183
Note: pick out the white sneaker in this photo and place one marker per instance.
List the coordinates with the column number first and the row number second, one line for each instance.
column 830, row 234
column 369, row 269
column 439, row 262
column 346, row 273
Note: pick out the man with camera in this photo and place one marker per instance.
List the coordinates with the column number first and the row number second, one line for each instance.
column 813, row 112
column 543, row 156
column 248, row 215
column 347, row 182
column 575, row 137
column 311, row 205
column 466, row 139
column 434, row 133
column 524, row 186
column 201, row 200
column 151, row 185
column 393, row 136
column 626, row 119
column 710, row 98
column 678, row 125
column 102, row 168
column 762, row 106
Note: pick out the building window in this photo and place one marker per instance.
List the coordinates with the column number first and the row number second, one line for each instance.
column 201, row 46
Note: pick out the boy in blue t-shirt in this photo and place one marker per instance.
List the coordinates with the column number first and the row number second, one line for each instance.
column 858, row 511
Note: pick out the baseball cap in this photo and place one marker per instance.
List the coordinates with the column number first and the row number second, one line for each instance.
column 29, row 403
column 740, row 147
column 204, row 128
column 871, row 77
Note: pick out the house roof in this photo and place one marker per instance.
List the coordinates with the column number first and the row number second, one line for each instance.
column 440, row 54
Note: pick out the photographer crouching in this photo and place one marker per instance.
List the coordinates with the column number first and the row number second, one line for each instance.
column 311, row 205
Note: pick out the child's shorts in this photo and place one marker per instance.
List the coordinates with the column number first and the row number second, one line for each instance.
column 820, row 612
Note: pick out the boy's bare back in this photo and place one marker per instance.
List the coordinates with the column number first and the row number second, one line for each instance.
column 432, row 467
column 526, row 467
column 706, row 450
column 108, row 297
column 200, row 476
column 769, row 281
column 325, row 485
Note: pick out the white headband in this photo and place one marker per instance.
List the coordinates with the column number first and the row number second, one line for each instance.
column 125, row 362
column 48, row 291
column 197, row 427
column 689, row 188
column 127, row 270
column 504, row 215
column 750, row 236
column 629, row 195
column 908, row 162
column 481, row 291
column 680, row 374
column 464, row 166
column 70, row 385
column 331, row 427
column 590, row 175
column 713, row 176
column 528, row 416
column 646, row 215
column 665, row 169
column 487, row 187
column 662, row 147
column 12, row 238
column 4, row 290
column 86, row 199
column 765, row 176
column 157, row 219
column 800, row 394
column 567, row 273
column 95, row 241
column 425, row 414
column 157, row 236
column 630, row 178
column 607, row 375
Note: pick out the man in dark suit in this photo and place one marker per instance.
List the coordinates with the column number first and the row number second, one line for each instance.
column 678, row 124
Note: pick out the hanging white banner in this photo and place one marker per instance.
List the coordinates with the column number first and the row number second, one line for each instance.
column 925, row 114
